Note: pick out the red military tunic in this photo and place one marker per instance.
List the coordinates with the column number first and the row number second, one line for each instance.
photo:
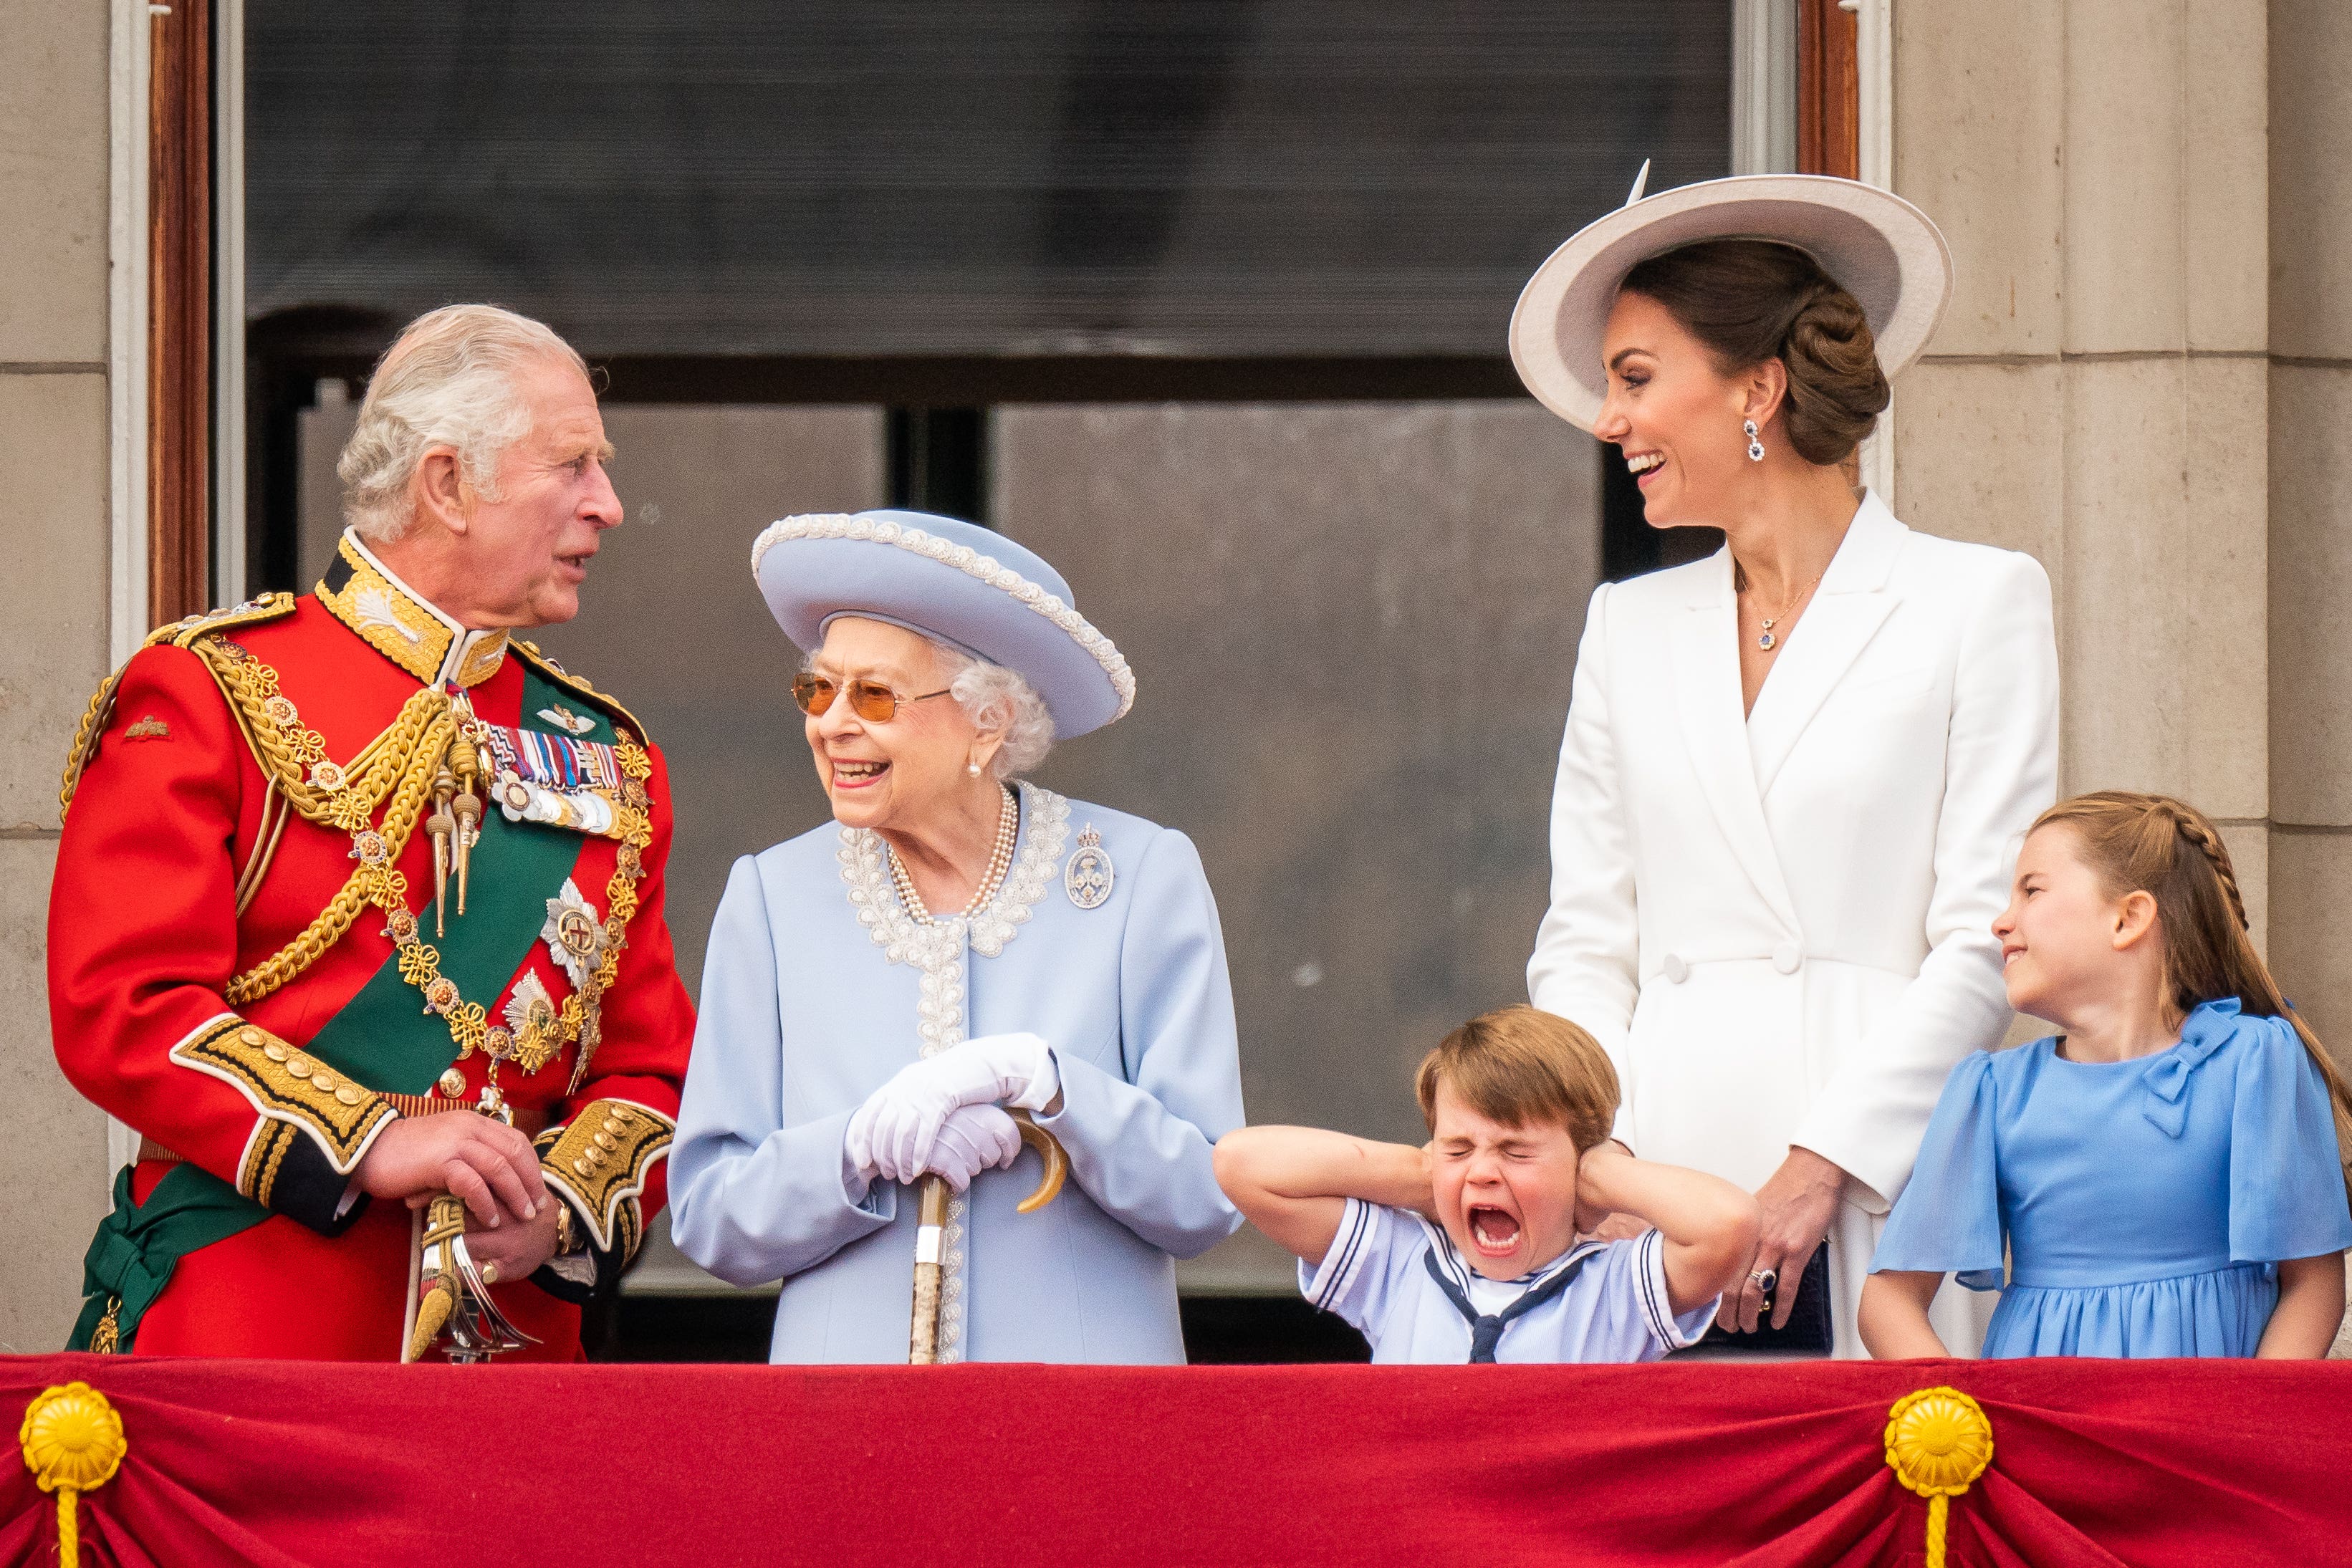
column 183, row 994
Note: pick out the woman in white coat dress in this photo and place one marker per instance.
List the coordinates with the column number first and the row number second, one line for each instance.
column 1795, row 773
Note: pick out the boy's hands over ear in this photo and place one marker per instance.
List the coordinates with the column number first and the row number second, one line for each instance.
column 1596, row 1219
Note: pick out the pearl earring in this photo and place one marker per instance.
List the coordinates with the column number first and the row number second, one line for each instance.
column 972, row 769
column 1755, row 447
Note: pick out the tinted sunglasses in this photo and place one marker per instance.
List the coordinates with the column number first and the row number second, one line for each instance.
column 869, row 700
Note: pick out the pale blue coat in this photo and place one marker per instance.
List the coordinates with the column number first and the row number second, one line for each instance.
column 817, row 987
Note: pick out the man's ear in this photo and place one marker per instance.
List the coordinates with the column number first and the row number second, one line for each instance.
column 442, row 495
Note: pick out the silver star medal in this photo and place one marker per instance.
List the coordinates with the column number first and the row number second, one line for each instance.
column 573, row 934
column 531, row 1023
column 1088, row 876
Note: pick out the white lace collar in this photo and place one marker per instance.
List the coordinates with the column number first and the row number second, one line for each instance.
column 865, row 869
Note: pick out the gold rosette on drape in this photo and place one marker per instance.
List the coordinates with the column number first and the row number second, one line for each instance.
column 1937, row 1443
column 73, row 1443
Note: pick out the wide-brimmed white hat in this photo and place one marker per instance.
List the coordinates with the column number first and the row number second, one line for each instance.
column 969, row 587
column 1886, row 252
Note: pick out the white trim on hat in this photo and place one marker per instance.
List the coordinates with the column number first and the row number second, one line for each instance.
column 985, row 569
column 1883, row 250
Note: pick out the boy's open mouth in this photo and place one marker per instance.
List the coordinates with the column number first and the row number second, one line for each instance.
column 1495, row 1232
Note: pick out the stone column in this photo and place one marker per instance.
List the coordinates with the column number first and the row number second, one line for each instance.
column 2097, row 393
column 2310, row 476
column 53, row 640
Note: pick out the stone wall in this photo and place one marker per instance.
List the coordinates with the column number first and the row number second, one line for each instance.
column 2100, row 392
column 2310, row 469
column 54, row 535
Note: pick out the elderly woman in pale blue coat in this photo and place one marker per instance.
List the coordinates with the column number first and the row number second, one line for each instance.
column 853, row 1040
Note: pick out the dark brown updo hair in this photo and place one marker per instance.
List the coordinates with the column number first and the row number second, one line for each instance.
column 1749, row 300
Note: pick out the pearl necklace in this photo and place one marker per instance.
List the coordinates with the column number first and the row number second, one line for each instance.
column 999, row 865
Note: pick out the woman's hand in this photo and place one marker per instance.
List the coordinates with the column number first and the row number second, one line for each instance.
column 1798, row 1202
column 891, row 1135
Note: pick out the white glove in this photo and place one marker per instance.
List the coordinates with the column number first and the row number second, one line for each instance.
column 891, row 1135
column 974, row 1138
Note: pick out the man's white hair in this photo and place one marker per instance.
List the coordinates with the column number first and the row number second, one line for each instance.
column 449, row 381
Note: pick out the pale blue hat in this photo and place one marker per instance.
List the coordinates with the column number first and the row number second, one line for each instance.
column 969, row 587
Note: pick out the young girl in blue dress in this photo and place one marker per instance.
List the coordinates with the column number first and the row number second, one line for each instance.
column 2167, row 1171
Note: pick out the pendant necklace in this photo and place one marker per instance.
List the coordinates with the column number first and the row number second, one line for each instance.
column 1768, row 640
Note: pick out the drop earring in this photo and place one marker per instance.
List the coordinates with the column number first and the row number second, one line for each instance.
column 1755, row 447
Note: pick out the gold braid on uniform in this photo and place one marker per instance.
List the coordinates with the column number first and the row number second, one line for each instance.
column 598, row 1165
column 396, row 771
column 179, row 633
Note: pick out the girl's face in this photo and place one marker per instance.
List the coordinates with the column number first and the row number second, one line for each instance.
column 2063, row 934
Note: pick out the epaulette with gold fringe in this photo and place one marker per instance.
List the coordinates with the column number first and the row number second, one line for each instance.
column 547, row 666
column 180, row 633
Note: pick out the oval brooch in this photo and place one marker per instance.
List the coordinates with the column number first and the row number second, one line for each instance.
column 1087, row 878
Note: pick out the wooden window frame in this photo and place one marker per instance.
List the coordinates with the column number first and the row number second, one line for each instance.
column 1829, row 90
column 179, row 309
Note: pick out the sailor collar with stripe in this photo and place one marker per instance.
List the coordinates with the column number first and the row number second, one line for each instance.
column 401, row 624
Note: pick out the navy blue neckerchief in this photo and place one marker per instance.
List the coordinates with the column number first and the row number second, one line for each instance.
column 1486, row 1329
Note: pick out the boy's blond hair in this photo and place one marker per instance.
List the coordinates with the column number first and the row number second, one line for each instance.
column 1517, row 1065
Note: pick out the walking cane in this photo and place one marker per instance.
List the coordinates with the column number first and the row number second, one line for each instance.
column 930, row 1234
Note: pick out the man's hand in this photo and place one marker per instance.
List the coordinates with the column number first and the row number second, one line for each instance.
column 487, row 1163
column 516, row 1252
column 1800, row 1201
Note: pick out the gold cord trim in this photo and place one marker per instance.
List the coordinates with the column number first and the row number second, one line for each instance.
column 182, row 633
column 396, row 771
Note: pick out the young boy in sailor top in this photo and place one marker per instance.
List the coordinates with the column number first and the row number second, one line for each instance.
column 1466, row 1249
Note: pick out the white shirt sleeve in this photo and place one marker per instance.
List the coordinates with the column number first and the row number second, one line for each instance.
column 1375, row 1249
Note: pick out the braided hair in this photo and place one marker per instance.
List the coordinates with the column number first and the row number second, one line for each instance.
column 1749, row 300
column 2172, row 850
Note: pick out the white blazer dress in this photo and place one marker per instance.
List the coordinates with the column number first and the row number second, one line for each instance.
column 1779, row 924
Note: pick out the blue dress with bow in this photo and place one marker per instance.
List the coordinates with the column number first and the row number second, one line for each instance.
column 2145, row 1204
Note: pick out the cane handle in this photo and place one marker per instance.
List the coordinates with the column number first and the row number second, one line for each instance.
column 1049, row 1149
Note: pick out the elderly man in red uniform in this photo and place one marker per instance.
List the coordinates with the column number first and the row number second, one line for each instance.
column 359, row 905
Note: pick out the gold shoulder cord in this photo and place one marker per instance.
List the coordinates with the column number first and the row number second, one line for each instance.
column 397, row 771
column 182, row 633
